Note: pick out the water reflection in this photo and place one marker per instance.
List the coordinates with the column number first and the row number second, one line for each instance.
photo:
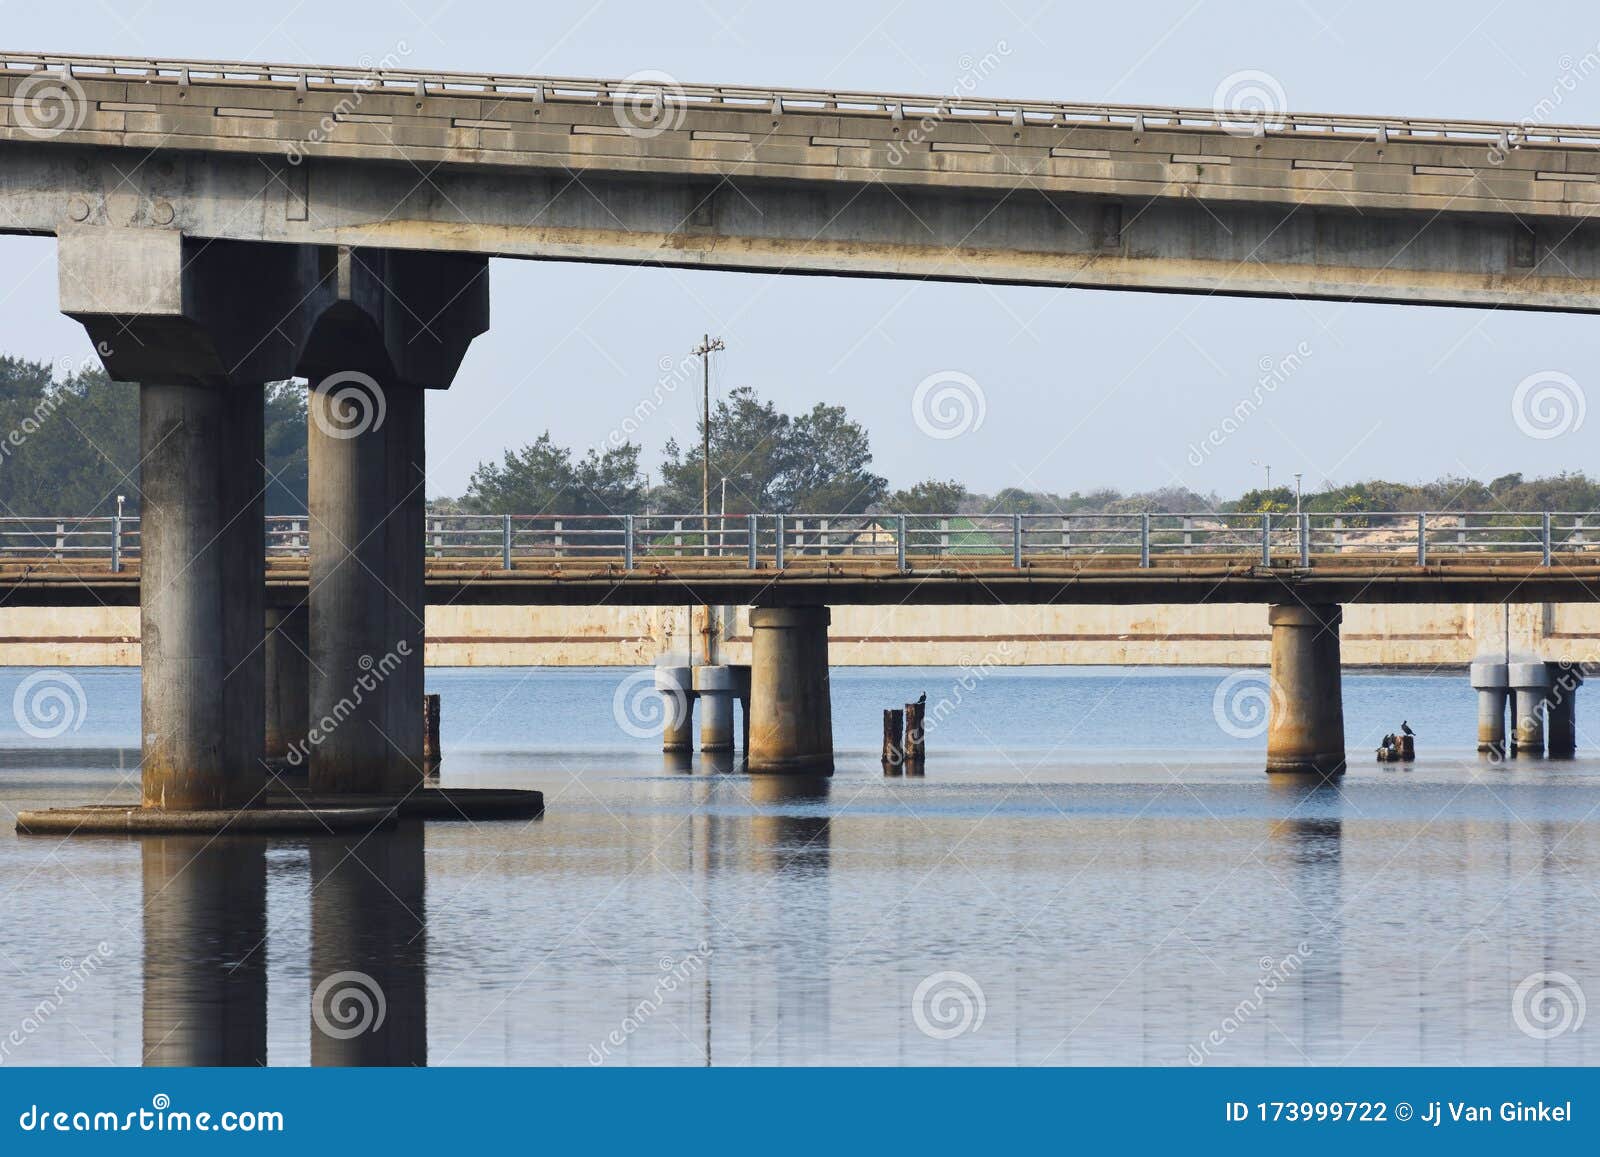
column 369, row 971
column 205, row 952
column 1305, row 854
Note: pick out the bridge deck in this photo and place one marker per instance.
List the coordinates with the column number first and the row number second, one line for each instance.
column 792, row 181
column 933, row 580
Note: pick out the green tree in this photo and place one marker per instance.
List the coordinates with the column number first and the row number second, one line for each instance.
column 816, row 463
column 286, row 448
column 929, row 497
column 543, row 478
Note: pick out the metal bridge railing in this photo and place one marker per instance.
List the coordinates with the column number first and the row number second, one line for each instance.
column 758, row 540
column 898, row 106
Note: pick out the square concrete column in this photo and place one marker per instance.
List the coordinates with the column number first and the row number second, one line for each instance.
column 202, row 580
column 1305, row 731
column 791, row 715
column 367, row 505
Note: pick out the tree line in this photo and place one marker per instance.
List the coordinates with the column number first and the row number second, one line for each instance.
column 69, row 446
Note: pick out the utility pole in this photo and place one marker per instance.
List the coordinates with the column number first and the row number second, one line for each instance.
column 703, row 351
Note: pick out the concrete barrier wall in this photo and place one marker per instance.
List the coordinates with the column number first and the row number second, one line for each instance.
column 1424, row 635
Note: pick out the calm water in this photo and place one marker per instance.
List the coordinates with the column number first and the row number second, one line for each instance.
column 1093, row 870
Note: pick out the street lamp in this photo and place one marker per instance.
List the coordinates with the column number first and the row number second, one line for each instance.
column 1297, row 493
column 1265, row 466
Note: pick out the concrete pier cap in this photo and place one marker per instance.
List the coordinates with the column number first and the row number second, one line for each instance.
column 1305, row 730
column 675, row 682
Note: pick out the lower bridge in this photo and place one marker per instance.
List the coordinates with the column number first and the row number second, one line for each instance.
column 927, row 560
column 789, row 570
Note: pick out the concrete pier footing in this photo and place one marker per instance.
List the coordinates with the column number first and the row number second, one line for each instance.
column 716, row 689
column 1530, row 684
column 1492, row 683
column 1305, row 732
column 1561, row 714
column 676, row 686
column 791, row 716
column 202, row 596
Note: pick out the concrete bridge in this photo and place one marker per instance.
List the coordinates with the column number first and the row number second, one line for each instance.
column 223, row 225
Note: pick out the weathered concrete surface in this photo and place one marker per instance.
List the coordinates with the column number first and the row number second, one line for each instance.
column 1186, row 207
column 203, row 710
column 366, row 601
column 791, row 715
column 285, row 816
column 288, row 674
column 1415, row 635
column 1305, row 728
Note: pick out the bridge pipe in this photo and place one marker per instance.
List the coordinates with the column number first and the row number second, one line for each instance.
column 716, row 688
column 1491, row 681
column 676, row 687
column 791, row 716
column 1561, row 717
column 201, row 596
column 1305, row 731
column 1530, row 684
column 366, row 589
column 288, row 675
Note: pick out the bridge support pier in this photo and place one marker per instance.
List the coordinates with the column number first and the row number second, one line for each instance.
column 791, row 715
column 288, row 650
column 1490, row 680
column 1561, row 714
column 676, row 687
column 202, row 593
column 716, row 688
column 365, row 457
column 1305, row 732
column 1530, row 684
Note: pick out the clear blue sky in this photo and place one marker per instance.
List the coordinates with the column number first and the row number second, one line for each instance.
column 1082, row 388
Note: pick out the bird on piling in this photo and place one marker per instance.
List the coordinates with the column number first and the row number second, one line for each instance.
column 1406, row 727
column 922, row 700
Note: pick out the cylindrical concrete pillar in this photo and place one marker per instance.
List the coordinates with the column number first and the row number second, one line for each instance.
column 791, row 716
column 1305, row 731
column 366, row 496
column 1530, row 683
column 1561, row 711
column 201, row 595
column 715, row 688
column 676, row 685
column 288, row 649
column 1490, row 680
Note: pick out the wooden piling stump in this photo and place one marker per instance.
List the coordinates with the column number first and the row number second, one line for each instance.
column 894, row 721
column 915, row 747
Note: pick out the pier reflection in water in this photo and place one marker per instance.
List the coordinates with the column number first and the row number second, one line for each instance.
column 1091, row 904
column 205, row 950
